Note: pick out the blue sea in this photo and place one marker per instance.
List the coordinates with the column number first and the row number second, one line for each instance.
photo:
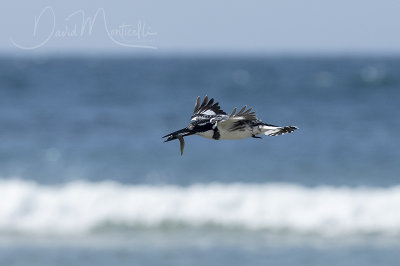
column 85, row 178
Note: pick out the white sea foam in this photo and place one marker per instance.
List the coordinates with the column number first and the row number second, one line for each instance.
column 80, row 207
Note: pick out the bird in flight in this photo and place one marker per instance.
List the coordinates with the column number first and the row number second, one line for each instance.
column 209, row 121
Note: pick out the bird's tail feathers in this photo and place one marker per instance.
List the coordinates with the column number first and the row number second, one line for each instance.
column 270, row 130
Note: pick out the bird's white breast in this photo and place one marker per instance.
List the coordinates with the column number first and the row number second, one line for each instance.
column 206, row 134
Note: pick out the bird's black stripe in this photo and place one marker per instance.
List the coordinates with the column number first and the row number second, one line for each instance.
column 216, row 134
column 202, row 127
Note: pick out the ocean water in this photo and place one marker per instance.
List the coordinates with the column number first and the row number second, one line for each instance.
column 85, row 178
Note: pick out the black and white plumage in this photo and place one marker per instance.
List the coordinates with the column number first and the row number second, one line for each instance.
column 209, row 121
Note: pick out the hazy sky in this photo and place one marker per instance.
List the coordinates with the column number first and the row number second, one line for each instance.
column 271, row 27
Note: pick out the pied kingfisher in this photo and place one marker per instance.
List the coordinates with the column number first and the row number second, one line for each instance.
column 209, row 121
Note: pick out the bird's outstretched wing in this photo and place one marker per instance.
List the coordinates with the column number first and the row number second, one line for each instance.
column 207, row 109
column 243, row 114
column 237, row 121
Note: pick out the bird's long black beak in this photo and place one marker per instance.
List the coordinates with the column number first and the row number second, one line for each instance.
column 179, row 135
column 174, row 135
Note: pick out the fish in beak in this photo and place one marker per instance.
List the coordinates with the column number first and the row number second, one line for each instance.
column 179, row 135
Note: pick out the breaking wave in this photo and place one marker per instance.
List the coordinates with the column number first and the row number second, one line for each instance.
column 81, row 207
